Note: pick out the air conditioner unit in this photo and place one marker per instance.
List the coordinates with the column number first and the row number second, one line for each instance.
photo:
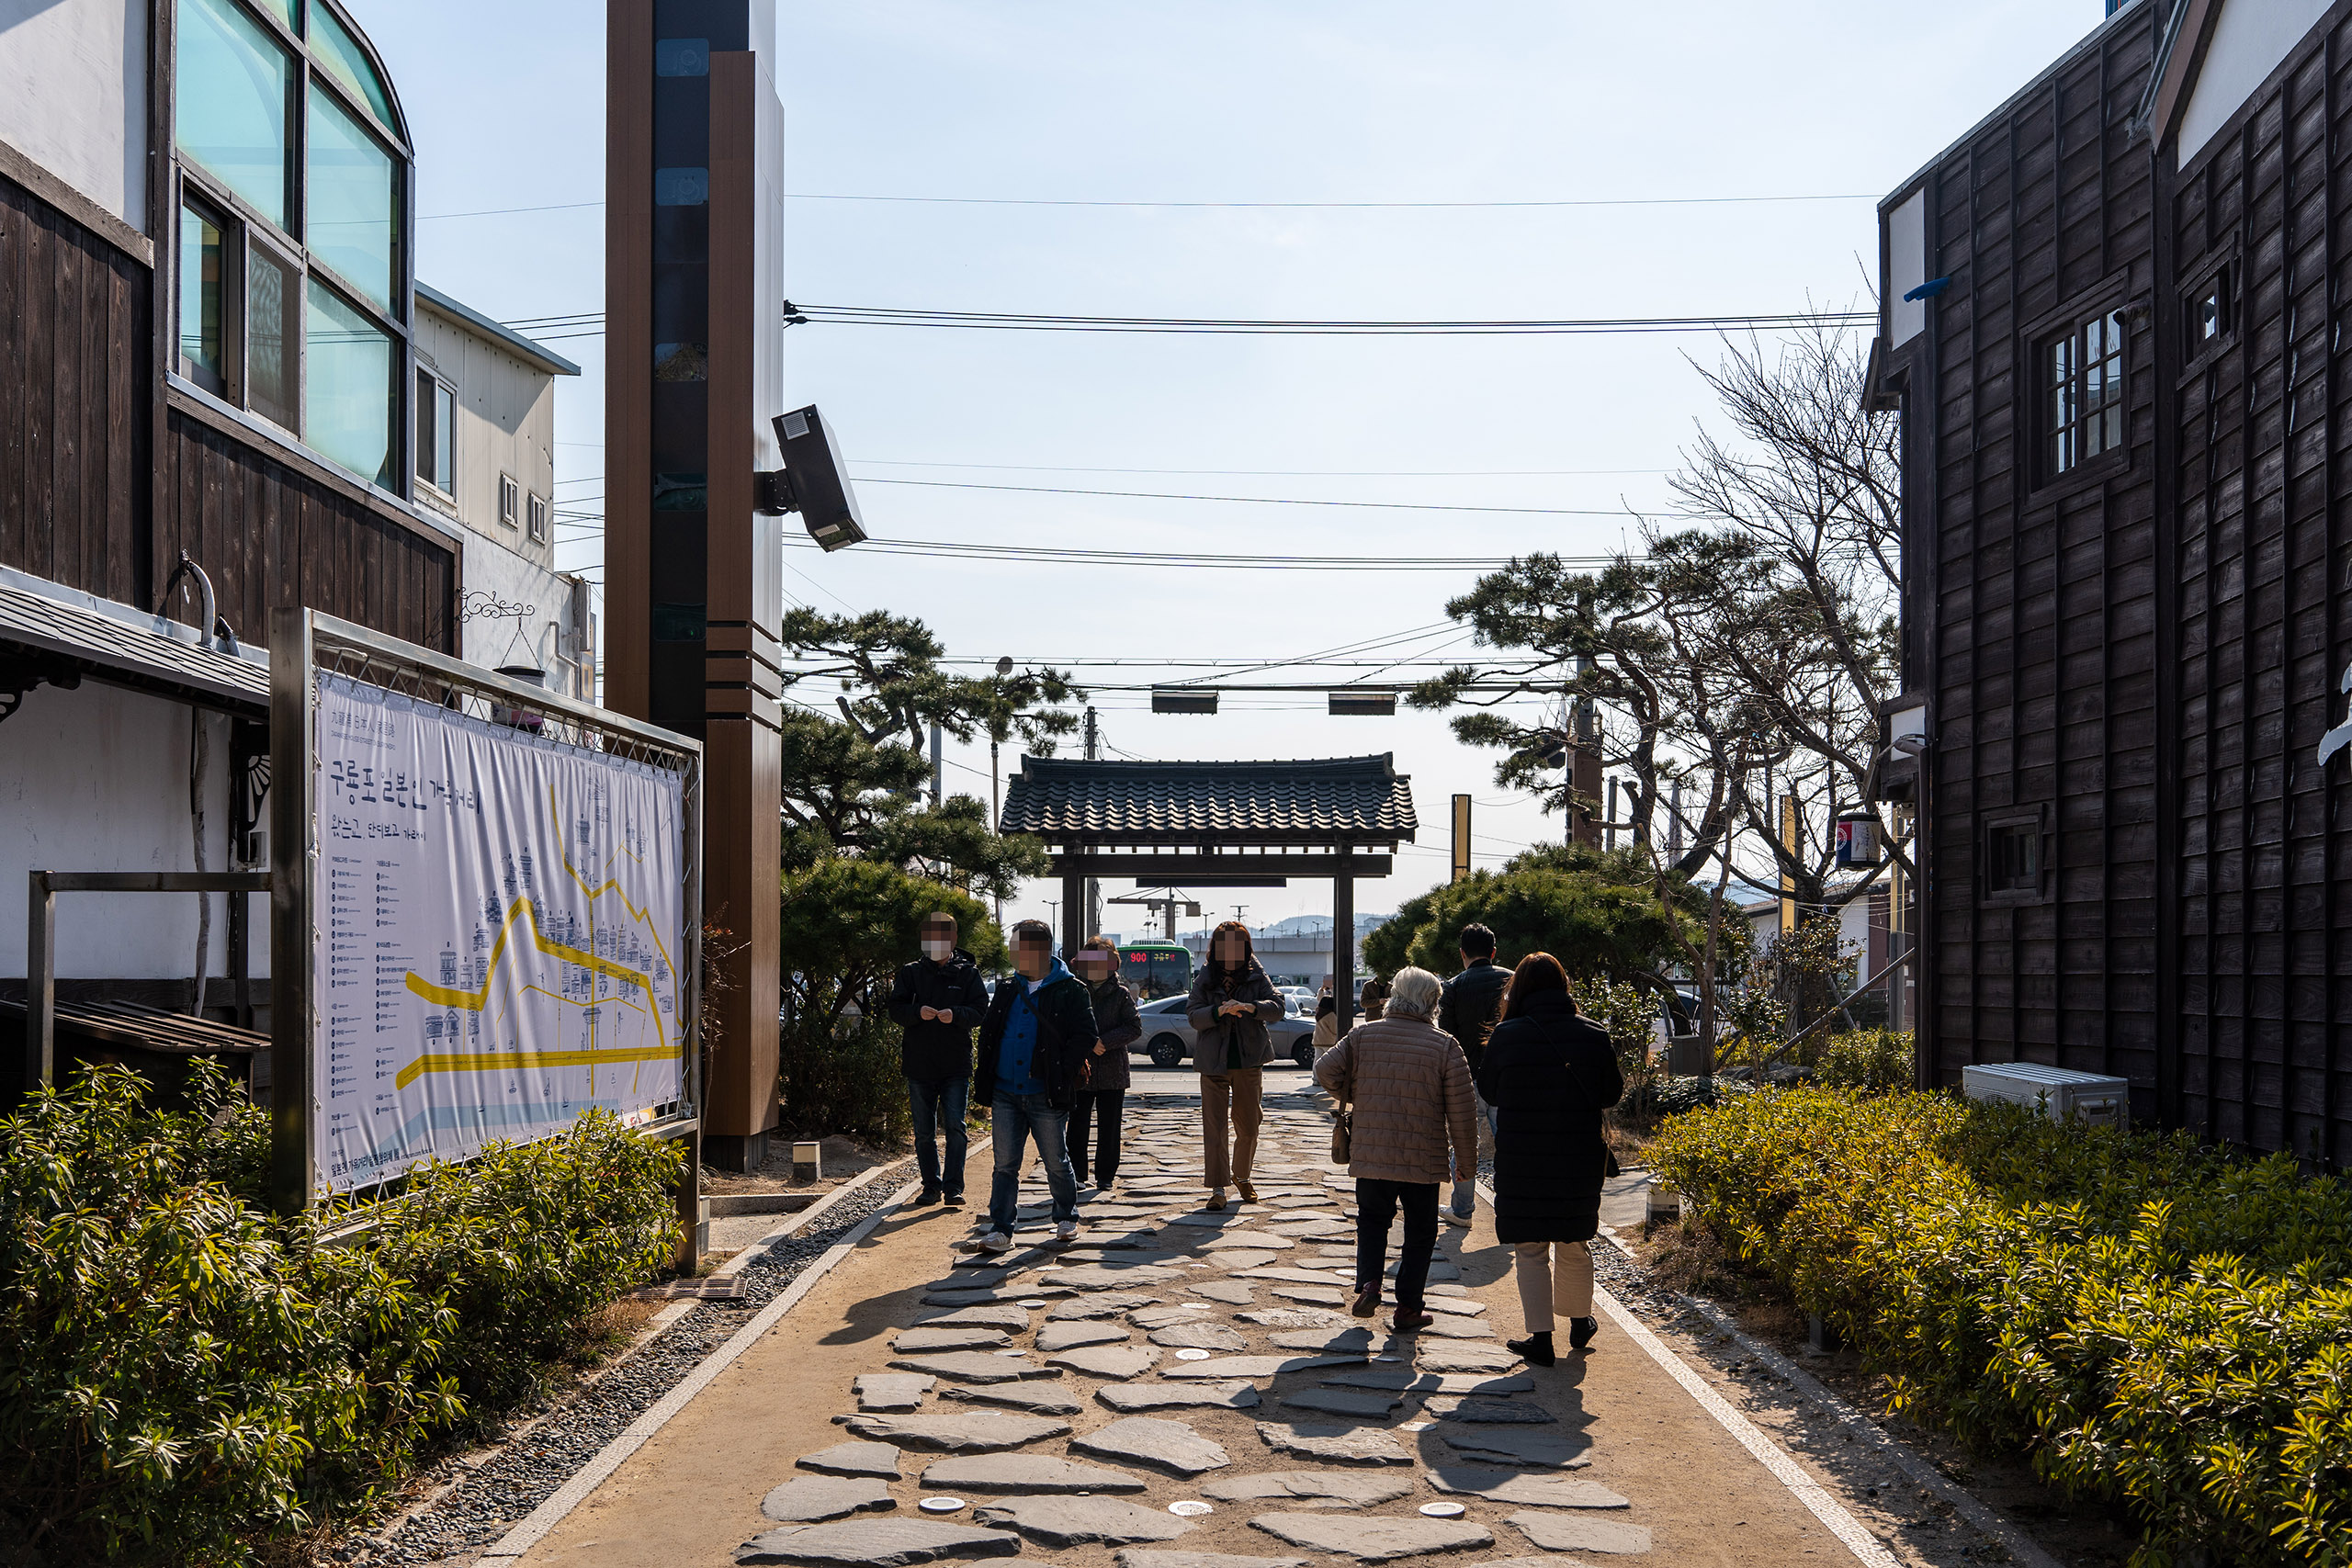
column 2058, row 1093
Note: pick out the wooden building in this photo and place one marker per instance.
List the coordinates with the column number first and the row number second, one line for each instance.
column 2110, row 319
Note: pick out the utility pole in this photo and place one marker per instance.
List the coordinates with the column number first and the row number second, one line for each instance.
column 1461, row 837
column 1674, row 826
column 1610, row 826
column 1094, row 884
column 938, row 769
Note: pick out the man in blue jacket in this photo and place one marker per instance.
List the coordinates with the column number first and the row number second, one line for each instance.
column 937, row 1001
column 1034, row 1048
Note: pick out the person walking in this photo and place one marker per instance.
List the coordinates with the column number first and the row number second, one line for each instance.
column 1100, row 1104
column 1472, row 1000
column 936, row 1001
column 1373, row 999
column 1549, row 1075
column 1326, row 1022
column 1231, row 1003
column 1410, row 1089
column 1034, row 1044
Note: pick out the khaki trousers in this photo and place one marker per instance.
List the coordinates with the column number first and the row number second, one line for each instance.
column 1566, row 1281
column 1230, row 1095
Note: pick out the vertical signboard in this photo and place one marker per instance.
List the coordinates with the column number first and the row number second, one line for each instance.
column 498, row 933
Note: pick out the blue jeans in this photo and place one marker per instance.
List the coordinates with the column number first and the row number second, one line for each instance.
column 941, row 1100
column 1012, row 1117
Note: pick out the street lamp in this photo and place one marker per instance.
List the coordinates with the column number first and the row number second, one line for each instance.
column 813, row 481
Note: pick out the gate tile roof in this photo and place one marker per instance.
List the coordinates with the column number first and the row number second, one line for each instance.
column 1356, row 798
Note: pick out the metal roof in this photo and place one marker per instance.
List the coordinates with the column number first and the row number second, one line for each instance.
column 149, row 1029
column 1223, row 805
column 117, row 643
column 545, row 358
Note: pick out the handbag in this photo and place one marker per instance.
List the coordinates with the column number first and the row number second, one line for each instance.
column 1342, row 1129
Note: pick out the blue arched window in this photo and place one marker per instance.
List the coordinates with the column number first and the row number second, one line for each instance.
column 292, row 173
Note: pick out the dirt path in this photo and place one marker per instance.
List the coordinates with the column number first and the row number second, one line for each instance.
column 1617, row 1458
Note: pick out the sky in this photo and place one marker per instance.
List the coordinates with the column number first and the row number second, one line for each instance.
column 1668, row 120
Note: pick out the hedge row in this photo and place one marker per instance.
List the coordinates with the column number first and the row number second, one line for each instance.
column 184, row 1375
column 2156, row 1325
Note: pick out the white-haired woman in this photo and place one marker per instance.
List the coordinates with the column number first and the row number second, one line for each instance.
column 1409, row 1086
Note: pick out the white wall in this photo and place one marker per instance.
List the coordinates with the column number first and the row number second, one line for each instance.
column 505, row 425
column 489, row 566
column 2250, row 41
column 74, row 96
column 1907, row 268
column 96, row 779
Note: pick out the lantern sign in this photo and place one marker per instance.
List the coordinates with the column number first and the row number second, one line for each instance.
column 1858, row 839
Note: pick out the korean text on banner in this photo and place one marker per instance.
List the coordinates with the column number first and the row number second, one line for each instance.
column 497, row 920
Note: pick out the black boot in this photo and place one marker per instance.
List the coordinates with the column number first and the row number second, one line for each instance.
column 1581, row 1330
column 1535, row 1350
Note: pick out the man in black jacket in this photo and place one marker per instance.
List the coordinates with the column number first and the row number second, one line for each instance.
column 1471, row 1001
column 937, row 1000
column 1034, row 1044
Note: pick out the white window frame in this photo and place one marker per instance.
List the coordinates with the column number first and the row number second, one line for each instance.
column 442, row 388
column 510, row 501
column 537, row 511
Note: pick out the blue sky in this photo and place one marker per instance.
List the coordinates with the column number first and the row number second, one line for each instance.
column 1227, row 103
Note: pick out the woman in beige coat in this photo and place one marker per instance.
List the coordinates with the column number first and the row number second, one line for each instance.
column 1410, row 1085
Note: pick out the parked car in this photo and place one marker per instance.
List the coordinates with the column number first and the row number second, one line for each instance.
column 1297, row 1001
column 1168, row 1035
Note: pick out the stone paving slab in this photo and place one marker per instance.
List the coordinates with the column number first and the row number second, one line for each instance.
column 1456, row 1356
column 1516, row 1445
column 1056, row 1337
column 1501, row 1411
column 1007, row 1316
column 1134, row 1397
column 1314, row 1488
column 812, row 1499
column 1024, row 1473
column 921, row 1340
column 1366, row 1402
column 875, row 1544
column 1518, row 1487
column 1373, row 1538
column 892, row 1390
column 1104, row 1304
column 1333, row 1341
column 1117, row 1362
column 956, row 1432
column 1257, row 1366
column 1061, row 1522
column 854, row 1459
column 1139, row 1557
column 1036, row 1398
column 1199, row 1336
column 1149, row 1440
column 1403, row 1381
column 974, row 1366
column 1110, row 1277
column 1232, row 1292
column 1295, row 1317
column 1337, row 1445
column 1567, row 1532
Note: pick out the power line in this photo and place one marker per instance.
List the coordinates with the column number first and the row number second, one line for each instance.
column 1042, row 555
column 1273, row 473
column 1245, row 499
column 584, row 324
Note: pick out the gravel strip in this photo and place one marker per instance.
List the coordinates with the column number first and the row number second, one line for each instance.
column 505, row 1488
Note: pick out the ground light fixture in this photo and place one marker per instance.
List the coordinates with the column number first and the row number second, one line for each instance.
column 813, row 482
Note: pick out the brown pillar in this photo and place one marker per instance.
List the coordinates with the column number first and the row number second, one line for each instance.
column 1343, row 941
column 1585, row 780
column 1074, row 931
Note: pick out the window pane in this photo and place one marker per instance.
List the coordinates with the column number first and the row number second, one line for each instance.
column 339, row 52
column 230, row 90
column 347, row 395
column 200, row 263
column 424, row 426
column 354, row 210
column 273, row 340
column 444, row 438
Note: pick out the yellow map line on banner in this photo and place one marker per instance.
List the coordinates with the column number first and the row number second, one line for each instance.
column 474, row 1001
column 475, row 1062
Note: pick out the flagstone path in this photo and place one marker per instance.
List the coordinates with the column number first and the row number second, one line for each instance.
column 1186, row 1390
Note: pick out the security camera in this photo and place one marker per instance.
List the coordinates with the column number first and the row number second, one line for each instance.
column 811, row 482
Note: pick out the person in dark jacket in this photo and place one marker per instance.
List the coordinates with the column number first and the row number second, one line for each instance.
column 1231, row 1003
column 938, row 999
column 1549, row 1075
column 1100, row 1106
column 1472, row 1000
column 1034, row 1044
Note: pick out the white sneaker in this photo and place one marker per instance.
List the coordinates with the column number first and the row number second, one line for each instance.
column 994, row 1241
column 1066, row 1231
column 1451, row 1218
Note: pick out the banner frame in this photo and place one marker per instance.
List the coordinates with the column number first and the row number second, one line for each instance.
column 305, row 644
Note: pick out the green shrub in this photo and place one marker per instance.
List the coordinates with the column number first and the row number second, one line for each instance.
column 2156, row 1324
column 183, row 1375
column 1875, row 1060
column 853, row 1080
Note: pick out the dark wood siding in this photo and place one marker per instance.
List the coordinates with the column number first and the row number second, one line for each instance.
column 77, row 417
column 269, row 534
column 2043, row 586
column 2264, row 942
column 73, row 402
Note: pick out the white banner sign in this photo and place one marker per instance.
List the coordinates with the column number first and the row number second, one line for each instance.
column 497, row 921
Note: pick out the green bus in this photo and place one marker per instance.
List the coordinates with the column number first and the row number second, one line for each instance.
column 1156, row 969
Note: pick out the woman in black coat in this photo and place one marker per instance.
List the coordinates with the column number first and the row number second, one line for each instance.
column 1549, row 1075
column 1100, row 1103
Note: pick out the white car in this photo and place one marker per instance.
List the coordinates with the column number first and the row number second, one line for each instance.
column 1168, row 1035
column 1297, row 1001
